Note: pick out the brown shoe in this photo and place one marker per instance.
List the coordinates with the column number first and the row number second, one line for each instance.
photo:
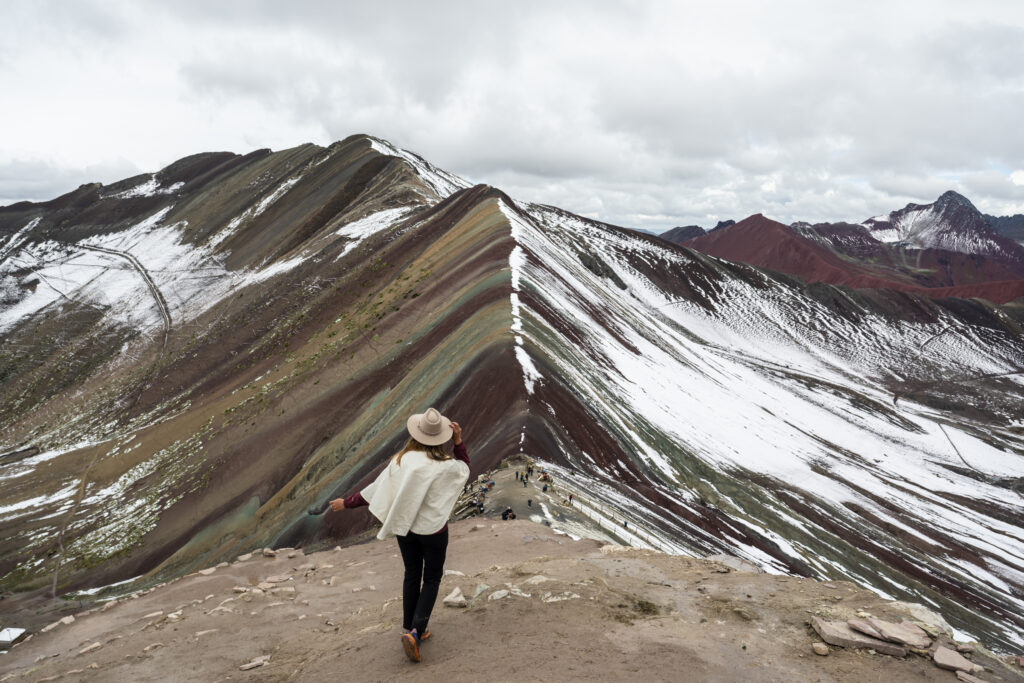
column 411, row 646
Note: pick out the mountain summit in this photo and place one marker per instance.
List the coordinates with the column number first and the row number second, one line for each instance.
column 943, row 249
column 951, row 223
column 193, row 358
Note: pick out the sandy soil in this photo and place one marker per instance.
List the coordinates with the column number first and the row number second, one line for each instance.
column 575, row 610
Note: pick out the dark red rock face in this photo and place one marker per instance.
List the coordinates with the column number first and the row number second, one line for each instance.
column 848, row 255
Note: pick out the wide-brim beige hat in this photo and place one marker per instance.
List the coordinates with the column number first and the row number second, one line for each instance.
column 430, row 428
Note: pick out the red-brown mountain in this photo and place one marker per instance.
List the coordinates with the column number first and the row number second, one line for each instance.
column 944, row 249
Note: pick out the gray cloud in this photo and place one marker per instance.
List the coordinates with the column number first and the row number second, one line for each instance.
column 646, row 114
column 36, row 180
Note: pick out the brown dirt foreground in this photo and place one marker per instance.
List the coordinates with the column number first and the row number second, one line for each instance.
column 575, row 610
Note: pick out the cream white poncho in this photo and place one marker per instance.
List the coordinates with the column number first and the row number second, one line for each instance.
column 416, row 496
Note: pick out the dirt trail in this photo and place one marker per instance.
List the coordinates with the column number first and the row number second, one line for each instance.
column 158, row 296
column 542, row 607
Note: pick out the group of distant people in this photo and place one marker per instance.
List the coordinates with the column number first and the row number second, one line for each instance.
column 479, row 497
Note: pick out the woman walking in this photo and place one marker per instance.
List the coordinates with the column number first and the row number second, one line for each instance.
column 413, row 498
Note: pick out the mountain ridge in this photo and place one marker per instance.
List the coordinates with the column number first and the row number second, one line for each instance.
column 318, row 295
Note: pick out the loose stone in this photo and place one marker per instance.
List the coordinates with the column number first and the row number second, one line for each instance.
column 945, row 658
column 820, row 649
column 258, row 662
column 455, row 598
column 840, row 634
column 967, row 678
column 864, row 627
column 905, row 634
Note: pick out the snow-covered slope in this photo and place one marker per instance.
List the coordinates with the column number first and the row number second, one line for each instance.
column 766, row 421
column 951, row 223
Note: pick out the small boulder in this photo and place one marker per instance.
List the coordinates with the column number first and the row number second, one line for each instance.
column 150, row 648
column 945, row 658
column 906, row 633
column 840, row 634
column 109, row 605
column 90, row 648
column 965, row 648
column 864, row 627
column 820, row 649
column 279, row 578
column 243, row 558
column 498, row 595
column 207, row 571
column 267, row 552
column 455, row 598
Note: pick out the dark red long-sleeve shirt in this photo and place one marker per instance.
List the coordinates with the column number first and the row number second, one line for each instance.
column 356, row 499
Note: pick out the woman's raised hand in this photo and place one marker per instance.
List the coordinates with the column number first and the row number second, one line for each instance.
column 337, row 504
column 456, row 433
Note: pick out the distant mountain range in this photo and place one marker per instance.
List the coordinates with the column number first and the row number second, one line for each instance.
column 944, row 249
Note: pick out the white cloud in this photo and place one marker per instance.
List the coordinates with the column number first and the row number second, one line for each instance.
column 648, row 114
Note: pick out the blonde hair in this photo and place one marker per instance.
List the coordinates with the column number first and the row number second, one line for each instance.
column 433, row 452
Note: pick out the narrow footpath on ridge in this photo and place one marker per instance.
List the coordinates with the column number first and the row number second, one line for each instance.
column 582, row 516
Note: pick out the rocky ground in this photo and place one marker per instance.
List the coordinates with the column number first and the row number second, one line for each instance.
column 538, row 606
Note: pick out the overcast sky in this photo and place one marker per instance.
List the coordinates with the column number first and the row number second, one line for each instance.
column 644, row 114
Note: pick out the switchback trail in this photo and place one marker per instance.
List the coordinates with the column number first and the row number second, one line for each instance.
column 158, row 296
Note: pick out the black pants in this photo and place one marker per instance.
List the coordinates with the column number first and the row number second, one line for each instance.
column 423, row 557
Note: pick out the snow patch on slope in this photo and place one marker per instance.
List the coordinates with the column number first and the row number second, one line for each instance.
column 442, row 183
column 359, row 230
column 148, row 188
column 516, row 263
